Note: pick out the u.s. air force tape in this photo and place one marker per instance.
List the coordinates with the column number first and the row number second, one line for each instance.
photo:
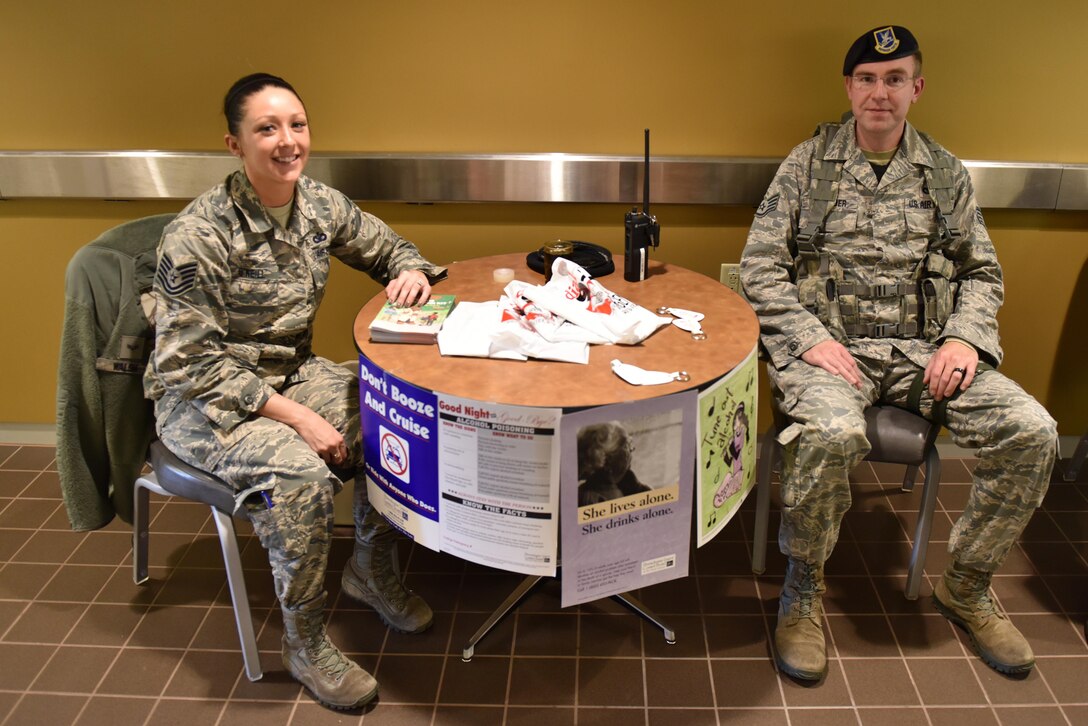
column 767, row 206
column 175, row 279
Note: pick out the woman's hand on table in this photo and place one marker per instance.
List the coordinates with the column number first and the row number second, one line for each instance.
column 408, row 288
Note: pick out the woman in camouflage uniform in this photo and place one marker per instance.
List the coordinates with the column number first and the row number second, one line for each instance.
column 238, row 390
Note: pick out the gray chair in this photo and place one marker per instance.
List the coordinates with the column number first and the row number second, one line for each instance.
column 897, row 436
column 170, row 476
column 1072, row 469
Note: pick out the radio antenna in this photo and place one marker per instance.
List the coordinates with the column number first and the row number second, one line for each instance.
column 646, row 178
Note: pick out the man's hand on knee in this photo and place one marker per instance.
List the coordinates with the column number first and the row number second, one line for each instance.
column 833, row 357
column 952, row 366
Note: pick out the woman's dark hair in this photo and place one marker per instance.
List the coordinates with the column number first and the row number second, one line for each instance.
column 234, row 103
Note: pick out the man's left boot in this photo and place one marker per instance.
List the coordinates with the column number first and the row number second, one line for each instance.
column 372, row 576
column 963, row 596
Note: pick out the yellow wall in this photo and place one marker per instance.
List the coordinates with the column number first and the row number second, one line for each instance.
column 708, row 77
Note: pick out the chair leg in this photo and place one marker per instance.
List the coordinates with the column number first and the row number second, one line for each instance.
column 909, row 478
column 925, row 523
column 140, row 510
column 228, row 542
column 767, row 459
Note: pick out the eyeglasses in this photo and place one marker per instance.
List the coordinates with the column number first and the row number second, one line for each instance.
column 892, row 81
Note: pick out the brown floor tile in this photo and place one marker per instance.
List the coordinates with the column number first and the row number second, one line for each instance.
column 1043, row 527
column 244, row 714
column 676, row 597
column 1055, row 558
column 409, row 678
column 440, row 590
column 846, row 560
column 14, row 483
column 111, row 711
column 678, row 683
column 6, row 450
column 20, row 581
column 140, row 672
column 597, row 716
column 546, row 634
column 753, row 717
column 893, row 717
column 1073, row 525
column 481, row 681
column 45, row 485
column 469, row 715
column 1064, row 497
column 120, row 589
column 862, row 636
column 685, row 717
column 958, row 716
column 1023, row 594
column 167, row 627
column 276, row 684
column 103, row 548
column 1078, row 715
column 435, row 640
column 106, row 625
column 51, row 547
column 75, row 669
column 498, row 641
column 822, row 717
column 178, row 712
column 46, row 708
column 1003, row 690
column 484, row 593
column 31, row 458
column 875, row 526
column 742, row 684
column 1067, row 677
column 723, row 557
column 31, row 659
column 1051, row 634
column 690, row 642
column 1031, row 716
column 10, row 611
column 610, row 682
column 606, row 635
column 27, row 513
column 76, row 583
column 925, row 636
column 45, row 623
column 877, row 682
column 850, row 595
column 542, row 681
column 205, row 674
column 729, row 595
column 535, row 716
column 740, row 636
column 195, row 587
column 1071, row 593
column 945, row 682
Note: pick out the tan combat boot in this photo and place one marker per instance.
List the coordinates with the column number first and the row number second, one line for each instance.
column 800, row 650
column 372, row 576
column 962, row 595
column 334, row 679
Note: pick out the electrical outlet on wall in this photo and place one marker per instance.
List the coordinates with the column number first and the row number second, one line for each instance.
column 731, row 275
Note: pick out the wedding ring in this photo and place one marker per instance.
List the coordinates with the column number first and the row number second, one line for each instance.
column 961, row 371
column 417, row 282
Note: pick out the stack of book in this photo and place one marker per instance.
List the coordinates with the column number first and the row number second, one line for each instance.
column 419, row 324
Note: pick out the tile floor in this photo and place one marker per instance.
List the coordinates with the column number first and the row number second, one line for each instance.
column 79, row 643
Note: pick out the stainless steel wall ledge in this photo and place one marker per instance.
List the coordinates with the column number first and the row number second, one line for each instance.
column 133, row 175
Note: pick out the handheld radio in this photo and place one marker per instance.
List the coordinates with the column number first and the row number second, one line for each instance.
column 640, row 230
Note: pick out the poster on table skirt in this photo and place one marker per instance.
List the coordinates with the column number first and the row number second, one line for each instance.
column 726, row 470
column 625, row 496
column 499, row 484
column 400, row 452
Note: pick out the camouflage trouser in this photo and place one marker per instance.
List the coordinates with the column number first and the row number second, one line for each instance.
column 261, row 456
column 1016, row 440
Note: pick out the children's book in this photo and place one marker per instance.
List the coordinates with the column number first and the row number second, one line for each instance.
column 413, row 324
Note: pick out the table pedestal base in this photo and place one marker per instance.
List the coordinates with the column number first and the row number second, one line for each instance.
column 526, row 586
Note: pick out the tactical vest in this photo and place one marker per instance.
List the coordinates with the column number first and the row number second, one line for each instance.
column 925, row 303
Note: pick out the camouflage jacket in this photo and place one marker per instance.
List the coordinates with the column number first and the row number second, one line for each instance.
column 878, row 233
column 236, row 294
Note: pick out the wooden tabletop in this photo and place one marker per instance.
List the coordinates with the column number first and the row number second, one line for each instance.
column 730, row 326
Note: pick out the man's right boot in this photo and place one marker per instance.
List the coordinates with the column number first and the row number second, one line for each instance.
column 372, row 576
column 335, row 680
column 800, row 649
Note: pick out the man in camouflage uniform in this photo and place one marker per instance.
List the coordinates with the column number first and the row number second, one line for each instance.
column 237, row 292
column 869, row 265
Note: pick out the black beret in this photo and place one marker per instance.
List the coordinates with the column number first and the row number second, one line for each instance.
column 887, row 42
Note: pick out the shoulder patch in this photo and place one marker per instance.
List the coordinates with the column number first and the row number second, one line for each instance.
column 767, row 206
column 175, row 279
column 978, row 217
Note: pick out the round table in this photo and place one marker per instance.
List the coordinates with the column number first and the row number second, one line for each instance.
column 730, row 326
column 731, row 332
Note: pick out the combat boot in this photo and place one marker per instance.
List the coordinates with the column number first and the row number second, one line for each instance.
column 800, row 650
column 963, row 596
column 372, row 576
column 334, row 679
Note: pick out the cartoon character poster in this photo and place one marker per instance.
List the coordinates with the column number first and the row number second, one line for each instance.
column 726, row 470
